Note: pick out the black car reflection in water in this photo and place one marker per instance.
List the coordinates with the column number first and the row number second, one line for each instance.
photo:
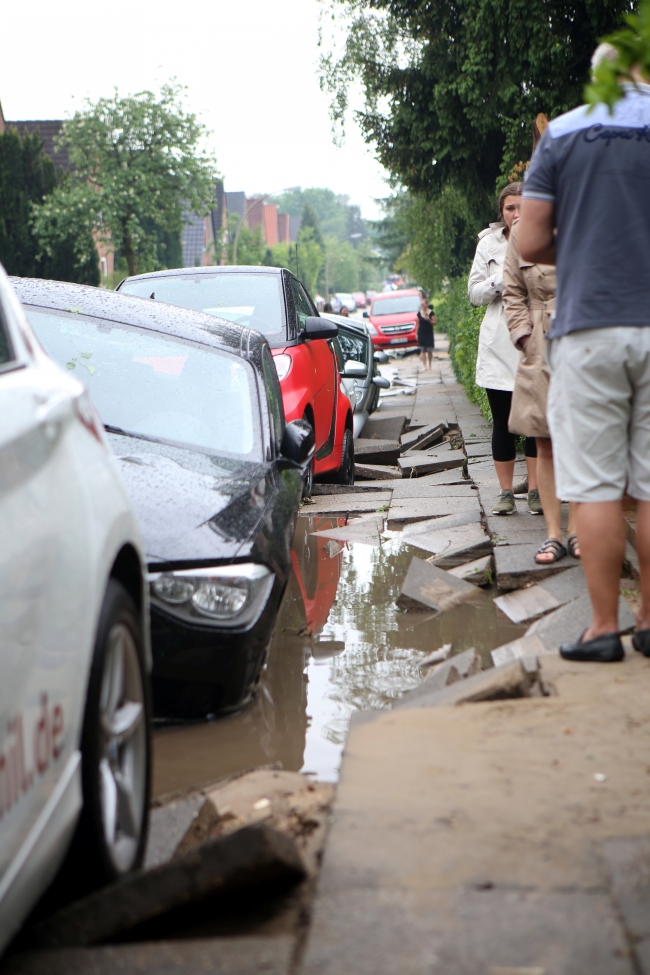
column 193, row 411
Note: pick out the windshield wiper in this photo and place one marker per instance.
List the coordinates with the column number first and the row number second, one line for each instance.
column 130, row 433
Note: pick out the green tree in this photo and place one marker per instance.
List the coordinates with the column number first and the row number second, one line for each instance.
column 27, row 177
column 250, row 246
column 310, row 226
column 136, row 159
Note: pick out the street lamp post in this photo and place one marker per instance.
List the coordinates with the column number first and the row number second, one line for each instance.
column 259, row 199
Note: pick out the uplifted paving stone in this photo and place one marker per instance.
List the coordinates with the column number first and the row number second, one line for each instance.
column 423, row 437
column 195, row 956
column 525, row 646
column 376, row 451
column 478, row 572
column 522, row 605
column 383, row 427
column 515, row 565
column 455, row 545
column 254, row 854
column 455, row 668
column 427, row 585
column 419, row 487
column 466, row 516
column 499, row 683
column 342, row 504
column 376, row 472
column 566, row 625
column 405, row 510
column 365, row 531
column 324, row 490
column 443, row 459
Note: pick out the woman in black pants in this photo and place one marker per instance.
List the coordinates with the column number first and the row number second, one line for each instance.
column 497, row 359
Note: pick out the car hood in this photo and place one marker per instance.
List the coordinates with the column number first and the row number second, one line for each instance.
column 404, row 318
column 192, row 506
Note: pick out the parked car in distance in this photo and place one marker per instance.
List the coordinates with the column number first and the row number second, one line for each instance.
column 274, row 302
column 74, row 636
column 359, row 298
column 193, row 411
column 360, row 376
column 393, row 319
column 341, row 299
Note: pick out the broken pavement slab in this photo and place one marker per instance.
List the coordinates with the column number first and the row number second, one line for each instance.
column 412, row 465
column 525, row 646
column 567, row 624
column 345, row 504
column 471, row 515
column 385, row 452
column 423, row 436
column 427, row 585
column 515, row 566
column 522, row 605
column 512, row 680
column 380, row 427
column 376, row 472
column 455, row 545
column 405, row 510
column 480, row 572
column 444, row 485
column 252, row 855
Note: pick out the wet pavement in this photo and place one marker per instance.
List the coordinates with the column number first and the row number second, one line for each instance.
column 341, row 645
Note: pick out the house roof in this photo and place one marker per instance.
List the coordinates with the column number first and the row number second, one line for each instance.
column 48, row 129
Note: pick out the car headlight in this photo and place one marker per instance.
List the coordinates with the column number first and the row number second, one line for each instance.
column 230, row 595
column 282, row 365
column 372, row 329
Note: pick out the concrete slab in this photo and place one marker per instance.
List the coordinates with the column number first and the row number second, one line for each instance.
column 423, row 436
column 522, row 605
column 419, row 487
column 465, row 516
column 343, row 504
column 458, row 667
column 196, row 956
column 167, row 826
column 427, row 585
column 628, row 864
column 376, row 472
column 380, row 427
column 454, row 546
column 479, row 572
column 526, row 646
column 405, row 510
column 515, row 565
column 412, row 465
column 377, row 451
column 567, row 624
column 512, row 680
column 362, row 531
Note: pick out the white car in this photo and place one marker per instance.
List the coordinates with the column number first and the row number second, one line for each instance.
column 74, row 643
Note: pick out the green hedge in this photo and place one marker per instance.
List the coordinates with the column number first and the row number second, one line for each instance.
column 461, row 320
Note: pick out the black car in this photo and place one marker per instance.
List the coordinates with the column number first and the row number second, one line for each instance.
column 193, row 411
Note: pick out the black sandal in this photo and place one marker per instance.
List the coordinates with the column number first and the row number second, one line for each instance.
column 573, row 544
column 554, row 547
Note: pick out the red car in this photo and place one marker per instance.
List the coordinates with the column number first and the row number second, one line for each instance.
column 393, row 319
column 272, row 301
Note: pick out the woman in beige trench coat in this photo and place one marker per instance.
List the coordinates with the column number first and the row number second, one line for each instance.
column 529, row 302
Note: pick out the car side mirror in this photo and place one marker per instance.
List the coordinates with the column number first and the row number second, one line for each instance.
column 381, row 382
column 298, row 444
column 319, row 328
column 354, row 368
column 366, row 314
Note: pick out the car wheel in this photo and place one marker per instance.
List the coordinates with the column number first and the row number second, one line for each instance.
column 308, row 476
column 346, row 472
column 116, row 745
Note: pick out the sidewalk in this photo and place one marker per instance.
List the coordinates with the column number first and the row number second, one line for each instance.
column 504, row 837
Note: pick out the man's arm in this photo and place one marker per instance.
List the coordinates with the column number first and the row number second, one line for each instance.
column 536, row 237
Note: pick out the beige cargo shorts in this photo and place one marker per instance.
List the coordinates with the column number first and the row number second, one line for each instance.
column 599, row 413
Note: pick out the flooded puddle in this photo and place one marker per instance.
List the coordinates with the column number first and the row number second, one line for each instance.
column 341, row 645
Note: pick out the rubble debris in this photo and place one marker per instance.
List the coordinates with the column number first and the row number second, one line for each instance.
column 479, row 572
column 251, row 855
column 426, row 585
column 516, row 679
column 412, row 465
column 384, row 452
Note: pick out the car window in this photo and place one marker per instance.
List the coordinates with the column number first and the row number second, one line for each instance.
column 395, row 306
column 338, row 352
column 274, row 394
column 303, row 306
column 353, row 347
column 145, row 383
column 254, row 300
column 6, row 350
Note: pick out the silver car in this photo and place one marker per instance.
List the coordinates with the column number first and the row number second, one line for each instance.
column 360, row 378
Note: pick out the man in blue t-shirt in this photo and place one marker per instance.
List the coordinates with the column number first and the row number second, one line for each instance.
column 586, row 208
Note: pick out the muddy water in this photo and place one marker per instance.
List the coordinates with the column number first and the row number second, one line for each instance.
column 340, row 645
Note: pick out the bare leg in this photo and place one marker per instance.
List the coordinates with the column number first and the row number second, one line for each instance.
column 531, row 465
column 505, row 472
column 602, row 542
column 430, row 359
column 643, row 552
column 550, row 504
column 423, row 359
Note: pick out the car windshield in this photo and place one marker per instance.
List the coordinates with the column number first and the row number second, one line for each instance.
column 395, row 306
column 157, row 386
column 254, row 300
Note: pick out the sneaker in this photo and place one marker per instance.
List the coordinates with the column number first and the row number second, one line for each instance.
column 534, row 503
column 505, row 505
column 521, row 489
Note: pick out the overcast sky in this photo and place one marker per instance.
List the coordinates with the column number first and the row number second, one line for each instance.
column 251, row 67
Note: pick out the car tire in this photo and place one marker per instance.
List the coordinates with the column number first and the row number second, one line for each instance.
column 346, row 471
column 115, row 747
column 308, row 476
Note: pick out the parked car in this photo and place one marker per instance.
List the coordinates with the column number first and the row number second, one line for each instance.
column 360, row 376
column 393, row 319
column 360, row 298
column 193, row 411
column 341, row 298
column 274, row 302
column 74, row 636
